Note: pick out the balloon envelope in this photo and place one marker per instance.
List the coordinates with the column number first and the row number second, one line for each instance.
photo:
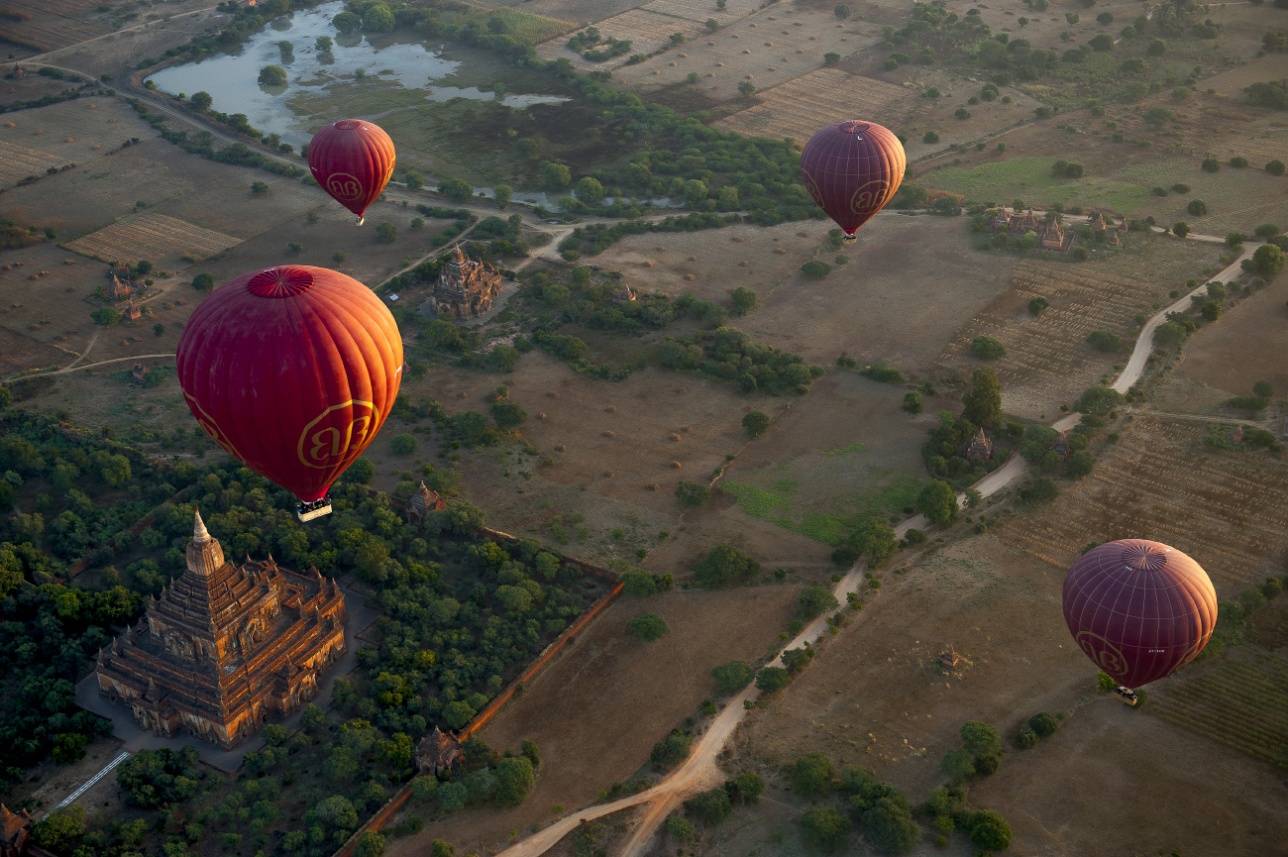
column 352, row 160
column 852, row 169
column 293, row 370
column 1139, row 609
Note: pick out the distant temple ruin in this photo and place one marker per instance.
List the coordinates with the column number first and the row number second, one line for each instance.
column 424, row 501
column 15, row 831
column 439, row 753
column 1050, row 230
column 465, row 287
column 225, row 646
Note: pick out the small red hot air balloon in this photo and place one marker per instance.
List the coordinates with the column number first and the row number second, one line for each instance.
column 292, row 370
column 1139, row 609
column 352, row 160
column 852, row 169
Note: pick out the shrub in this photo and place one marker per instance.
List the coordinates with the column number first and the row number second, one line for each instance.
column 1211, row 165
column 755, row 423
column 772, row 679
column 1026, row 738
column 403, row 444
column 1197, row 207
column 725, row 565
column 930, row 138
column 732, row 676
column 671, row 750
column 813, row 600
column 815, row 269
column 691, row 495
column 1037, row 305
column 986, row 348
column 938, row 502
column 647, row 627
column 825, row 828
column 989, row 832
column 1104, row 341
column 710, row 807
column 811, row 775
column 1043, row 724
column 1275, row 168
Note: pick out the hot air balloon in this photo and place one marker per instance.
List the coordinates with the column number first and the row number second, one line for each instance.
column 352, row 160
column 292, row 370
column 852, row 169
column 1139, row 610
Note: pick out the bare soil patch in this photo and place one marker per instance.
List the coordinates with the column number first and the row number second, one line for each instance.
column 50, row 24
column 597, row 711
column 152, row 236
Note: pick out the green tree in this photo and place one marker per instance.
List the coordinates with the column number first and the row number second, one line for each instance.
column 889, row 826
column 730, row 677
column 1268, row 260
column 725, row 565
column 813, row 600
column 1275, row 167
column 370, row 844
column 743, row 300
column 691, row 494
column 403, row 444
column 825, row 828
column 456, row 190
column 589, row 190
column 272, row 75
column 378, row 18
column 987, row 348
column 957, row 765
column 1043, row 724
column 258, row 188
column 515, row 777
column 755, row 423
column 62, row 831
column 772, row 679
column 201, row 101
column 1180, row 229
column 816, row 270
column 386, row 233
column 709, row 807
column 811, row 775
column 989, row 832
column 347, row 22
column 203, row 282
column 983, row 399
column 555, row 176
column 647, row 627
column 502, row 193
column 938, row 502
column 508, row 415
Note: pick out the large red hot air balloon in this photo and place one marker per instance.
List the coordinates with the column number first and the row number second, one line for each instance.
column 852, row 169
column 1139, row 609
column 353, row 160
column 293, row 370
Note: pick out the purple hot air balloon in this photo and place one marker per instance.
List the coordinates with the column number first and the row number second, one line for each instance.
column 852, row 169
column 1139, row 609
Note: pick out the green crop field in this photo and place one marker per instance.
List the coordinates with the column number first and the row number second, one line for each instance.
column 1030, row 179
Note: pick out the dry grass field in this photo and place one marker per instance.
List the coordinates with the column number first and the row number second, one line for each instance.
column 646, row 31
column 1225, row 508
column 1048, row 361
column 21, row 162
column 152, row 236
column 875, row 697
column 799, row 107
column 1225, row 360
column 767, row 48
column 79, row 131
column 597, row 711
column 49, row 24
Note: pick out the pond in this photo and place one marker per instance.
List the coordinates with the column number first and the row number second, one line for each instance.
column 232, row 80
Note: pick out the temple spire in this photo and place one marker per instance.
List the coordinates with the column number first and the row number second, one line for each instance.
column 200, row 534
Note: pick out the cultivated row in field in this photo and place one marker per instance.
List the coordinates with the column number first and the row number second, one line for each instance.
column 1227, row 509
column 152, row 236
column 1240, row 700
column 799, row 107
column 20, row 162
column 48, row 24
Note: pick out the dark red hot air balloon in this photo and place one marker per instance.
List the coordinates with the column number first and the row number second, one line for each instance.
column 1139, row 609
column 293, row 370
column 852, row 169
column 353, row 160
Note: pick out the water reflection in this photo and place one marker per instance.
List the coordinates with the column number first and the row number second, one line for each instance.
column 233, row 80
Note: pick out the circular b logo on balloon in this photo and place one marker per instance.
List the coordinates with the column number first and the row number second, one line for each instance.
column 869, row 196
column 1104, row 653
column 330, row 437
column 344, row 187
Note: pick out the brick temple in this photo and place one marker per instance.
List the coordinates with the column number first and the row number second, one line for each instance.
column 225, row 646
column 465, row 287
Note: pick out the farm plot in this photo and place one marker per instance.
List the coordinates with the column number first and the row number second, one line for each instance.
column 20, row 162
column 703, row 10
column 49, row 24
column 799, row 107
column 646, row 31
column 152, row 236
column 1238, row 698
column 20, row 353
column 1048, row 361
column 1227, row 509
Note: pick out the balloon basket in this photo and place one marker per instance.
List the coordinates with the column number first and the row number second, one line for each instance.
column 311, row 511
column 361, row 220
column 849, row 238
column 1127, row 696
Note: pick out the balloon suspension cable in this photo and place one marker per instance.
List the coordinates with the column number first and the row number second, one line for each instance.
column 313, row 510
column 1127, row 695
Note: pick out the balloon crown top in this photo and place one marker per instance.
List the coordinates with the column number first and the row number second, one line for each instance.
column 283, row 282
column 1144, row 556
column 348, row 124
column 855, row 126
